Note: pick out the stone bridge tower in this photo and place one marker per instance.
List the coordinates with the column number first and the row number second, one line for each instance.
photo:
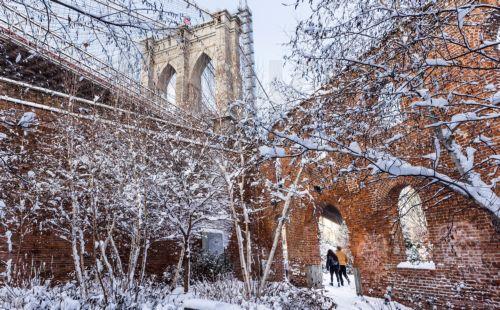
column 186, row 54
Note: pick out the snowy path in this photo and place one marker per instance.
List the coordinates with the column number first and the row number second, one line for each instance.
column 346, row 299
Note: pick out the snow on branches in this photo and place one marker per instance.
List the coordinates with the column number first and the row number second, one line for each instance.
column 409, row 90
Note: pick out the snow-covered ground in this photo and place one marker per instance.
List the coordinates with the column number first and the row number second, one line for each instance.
column 346, row 299
column 227, row 297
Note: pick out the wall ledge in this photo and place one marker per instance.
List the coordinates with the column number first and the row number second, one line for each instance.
column 423, row 265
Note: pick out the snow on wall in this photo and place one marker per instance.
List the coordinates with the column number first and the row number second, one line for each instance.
column 417, row 265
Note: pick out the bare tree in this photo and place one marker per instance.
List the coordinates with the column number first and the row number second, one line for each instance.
column 409, row 91
column 19, row 198
column 191, row 196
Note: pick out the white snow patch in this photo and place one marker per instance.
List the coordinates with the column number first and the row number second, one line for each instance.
column 27, row 119
column 462, row 12
column 18, row 58
column 432, row 102
column 394, row 138
column 418, row 265
column 484, row 139
column 487, row 43
column 2, row 136
column 346, row 299
column 70, row 304
column 437, row 62
column 490, row 87
column 267, row 151
column 431, row 156
column 354, row 147
column 462, row 117
column 424, row 93
column 8, row 234
column 203, row 304
column 495, row 99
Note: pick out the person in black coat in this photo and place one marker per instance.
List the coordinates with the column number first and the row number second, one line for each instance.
column 332, row 265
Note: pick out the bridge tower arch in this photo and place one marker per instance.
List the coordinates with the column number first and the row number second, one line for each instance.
column 188, row 52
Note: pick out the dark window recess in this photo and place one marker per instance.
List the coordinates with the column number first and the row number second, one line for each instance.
column 213, row 243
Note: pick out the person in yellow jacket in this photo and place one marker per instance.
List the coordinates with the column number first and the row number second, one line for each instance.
column 343, row 260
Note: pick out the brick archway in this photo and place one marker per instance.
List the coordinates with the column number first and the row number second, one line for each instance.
column 303, row 239
column 332, row 213
column 333, row 230
column 389, row 196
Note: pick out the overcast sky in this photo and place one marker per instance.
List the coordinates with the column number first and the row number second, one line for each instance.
column 274, row 22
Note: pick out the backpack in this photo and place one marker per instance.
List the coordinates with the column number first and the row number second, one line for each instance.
column 331, row 263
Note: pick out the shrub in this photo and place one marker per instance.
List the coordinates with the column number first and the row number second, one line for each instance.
column 226, row 289
column 285, row 296
column 210, row 267
column 280, row 295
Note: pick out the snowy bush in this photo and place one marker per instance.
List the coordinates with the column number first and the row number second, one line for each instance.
column 37, row 294
column 210, row 267
column 226, row 289
column 283, row 295
column 68, row 296
column 168, row 275
column 277, row 295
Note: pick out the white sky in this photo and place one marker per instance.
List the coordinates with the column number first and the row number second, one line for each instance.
column 274, row 23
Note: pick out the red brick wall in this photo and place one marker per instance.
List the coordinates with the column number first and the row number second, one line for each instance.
column 465, row 239
column 303, row 243
column 39, row 250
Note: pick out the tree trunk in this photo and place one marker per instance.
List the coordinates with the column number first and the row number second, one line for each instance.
column 241, row 247
column 277, row 232
column 102, row 247
column 133, row 258
column 239, row 237
column 144, row 259
column 116, row 255
column 76, row 259
column 82, row 252
column 187, row 268
column 246, row 218
column 178, row 268
column 135, row 248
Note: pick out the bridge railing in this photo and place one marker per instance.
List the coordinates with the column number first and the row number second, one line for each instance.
column 36, row 37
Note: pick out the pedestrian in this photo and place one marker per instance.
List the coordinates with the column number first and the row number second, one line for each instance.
column 332, row 265
column 343, row 260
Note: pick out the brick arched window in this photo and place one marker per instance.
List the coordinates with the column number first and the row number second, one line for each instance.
column 413, row 226
column 213, row 242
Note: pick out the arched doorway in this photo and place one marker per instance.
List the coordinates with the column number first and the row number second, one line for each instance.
column 333, row 230
column 334, row 235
